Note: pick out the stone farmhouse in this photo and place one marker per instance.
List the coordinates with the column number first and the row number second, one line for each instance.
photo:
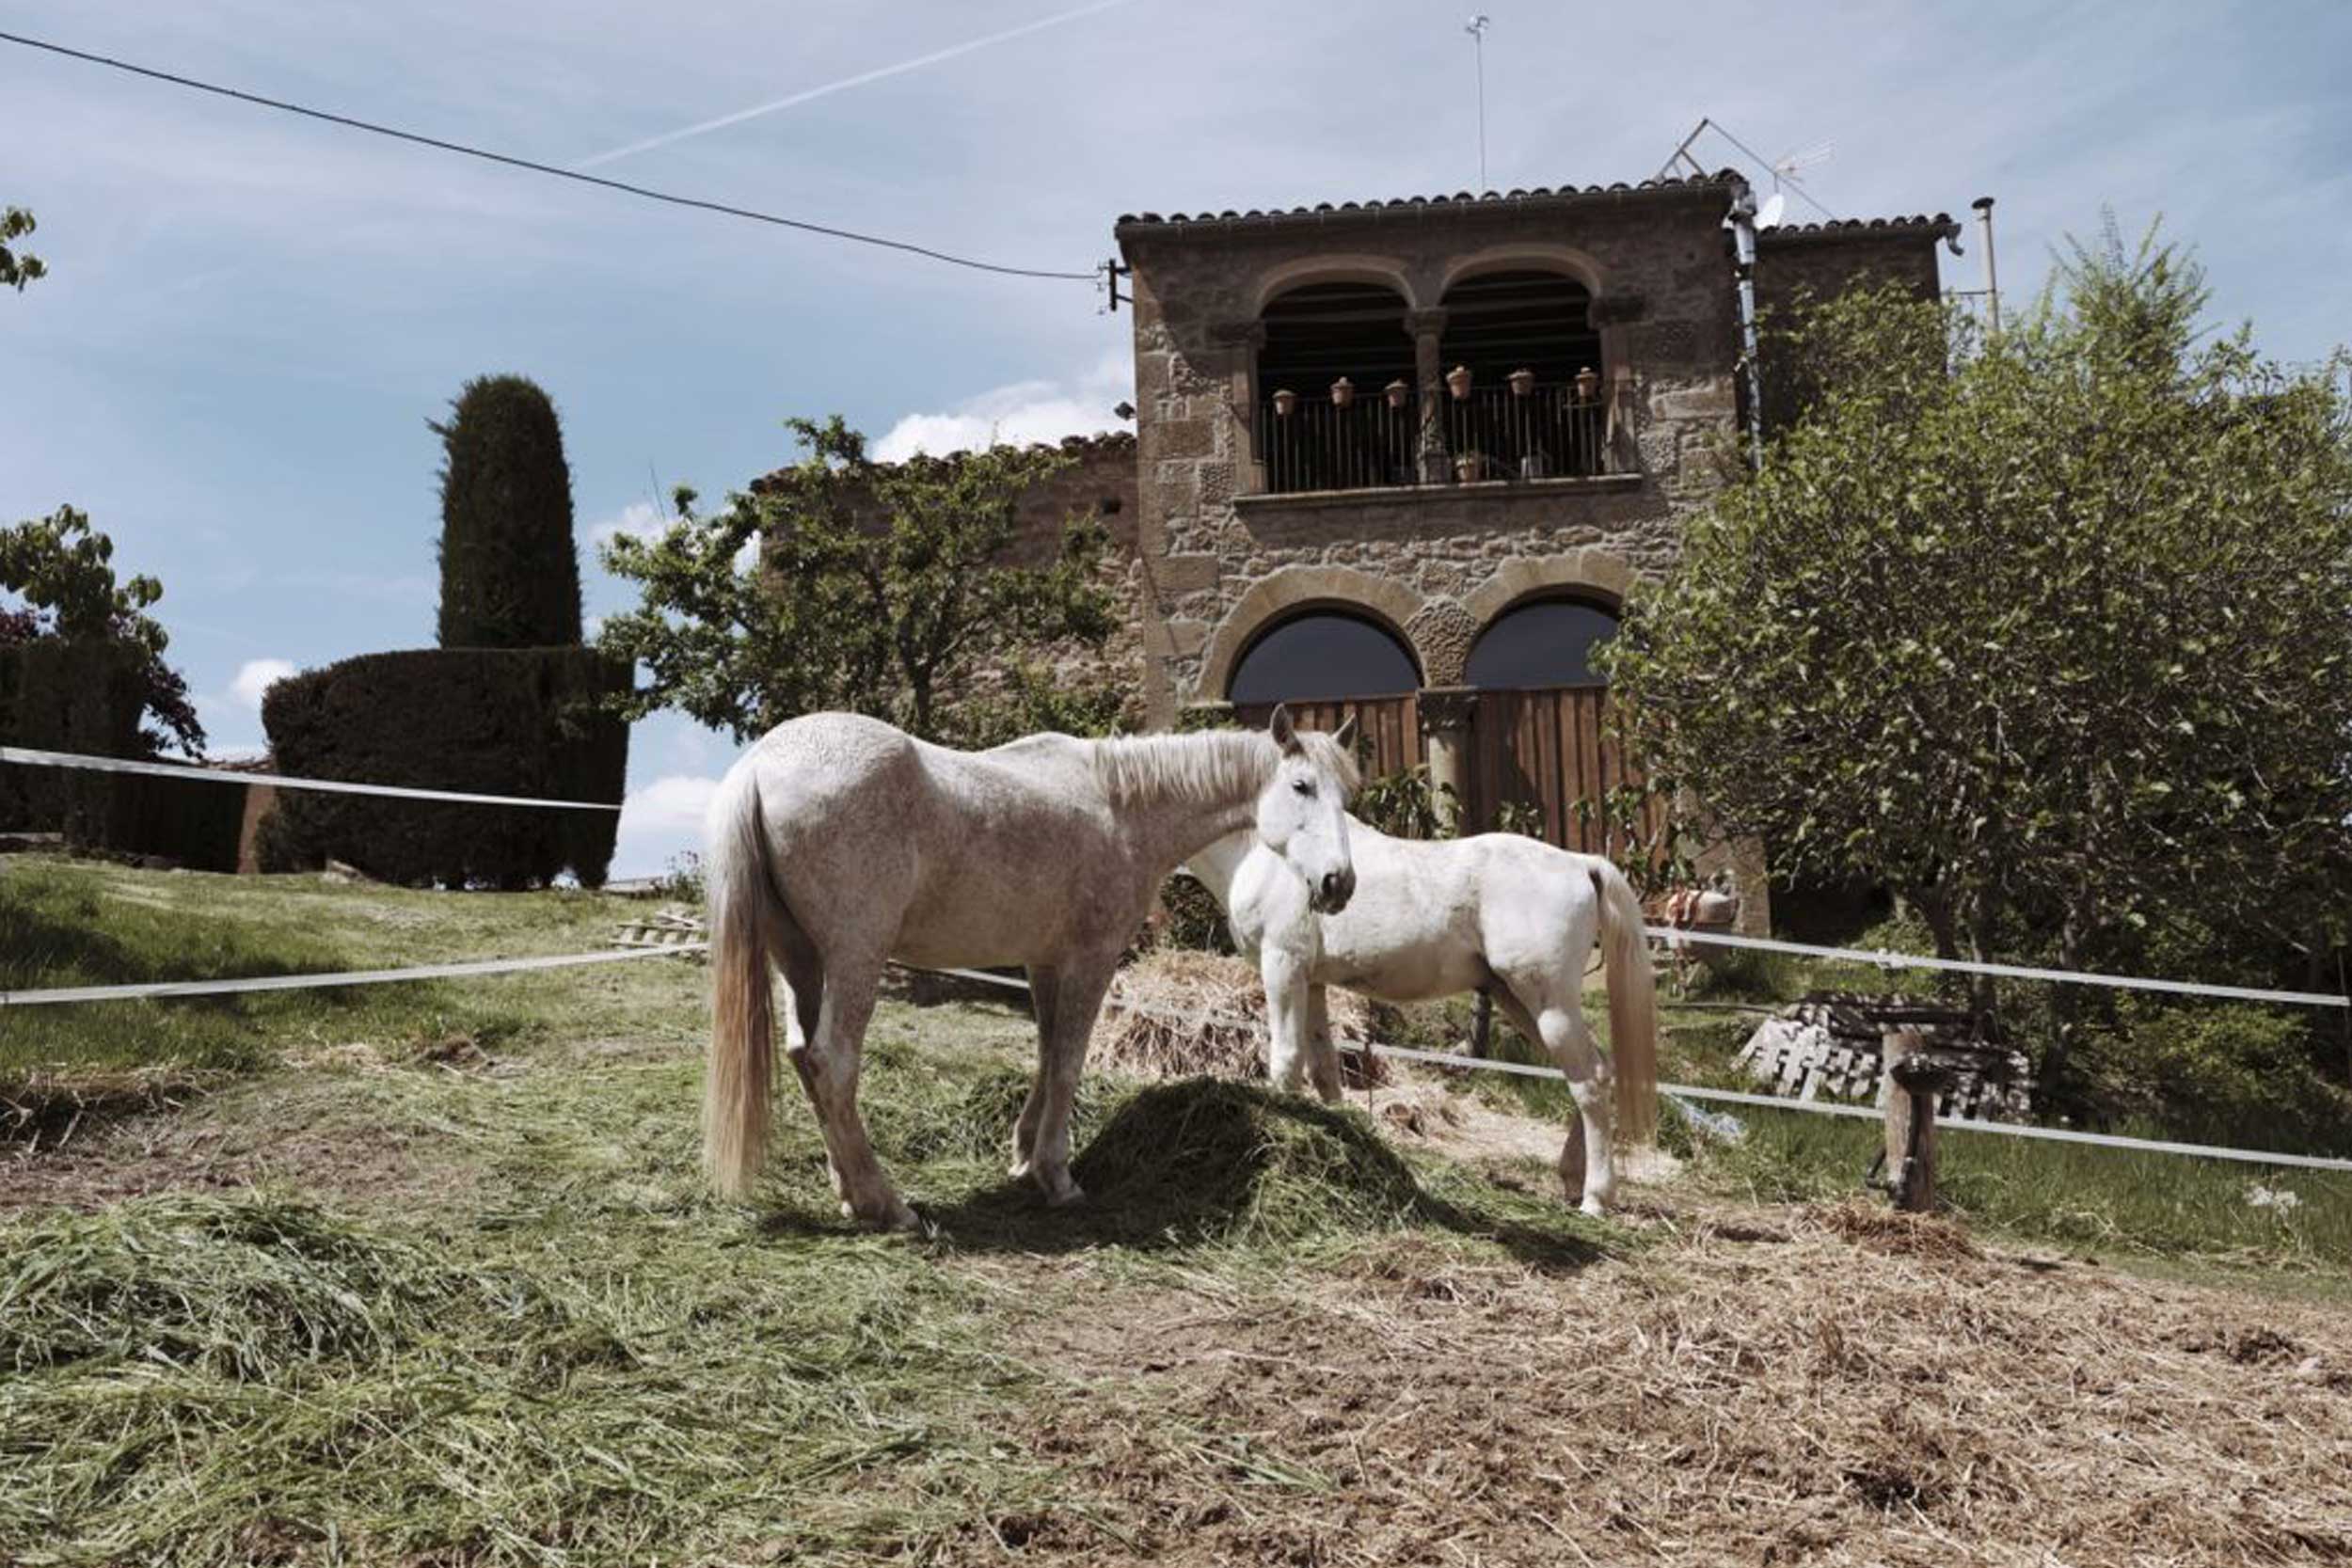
column 1405, row 458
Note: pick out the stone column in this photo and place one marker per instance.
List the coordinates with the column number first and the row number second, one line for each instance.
column 1445, row 726
column 1241, row 340
column 1613, row 316
column 1428, row 330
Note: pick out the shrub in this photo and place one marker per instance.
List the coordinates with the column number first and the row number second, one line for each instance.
column 2216, row 1071
column 510, row 576
column 494, row 721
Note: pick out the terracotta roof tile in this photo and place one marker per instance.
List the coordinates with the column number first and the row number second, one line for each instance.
column 1460, row 198
column 1918, row 223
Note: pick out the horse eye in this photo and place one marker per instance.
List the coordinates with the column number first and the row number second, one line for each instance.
column 1304, row 787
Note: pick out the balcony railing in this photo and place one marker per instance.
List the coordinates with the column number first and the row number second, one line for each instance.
column 1316, row 444
column 1375, row 441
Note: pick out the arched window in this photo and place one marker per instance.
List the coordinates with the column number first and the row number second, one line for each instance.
column 1321, row 656
column 1532, row 406
column 1311, row 438
column 1546, row 643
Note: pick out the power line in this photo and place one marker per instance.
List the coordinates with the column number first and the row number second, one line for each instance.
column 647, row 192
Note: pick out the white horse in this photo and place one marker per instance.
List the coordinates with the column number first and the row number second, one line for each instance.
column 838, row 844
column 1432, row 919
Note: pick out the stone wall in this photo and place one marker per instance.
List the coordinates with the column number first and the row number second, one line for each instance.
column 1823, row 261
column 1434, row 562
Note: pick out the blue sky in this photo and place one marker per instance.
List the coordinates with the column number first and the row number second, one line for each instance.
column 251, row 317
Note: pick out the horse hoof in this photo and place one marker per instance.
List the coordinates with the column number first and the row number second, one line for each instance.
column 1594, row 1209
column 897, row 1215
column 1069, row 1196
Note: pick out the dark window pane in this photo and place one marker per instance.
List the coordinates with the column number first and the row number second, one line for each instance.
column 1547, row 643
column 1316, row 658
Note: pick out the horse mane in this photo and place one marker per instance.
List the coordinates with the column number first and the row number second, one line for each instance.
column 1206, row 766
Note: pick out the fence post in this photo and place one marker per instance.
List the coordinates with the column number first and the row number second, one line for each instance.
column 1913, row 1077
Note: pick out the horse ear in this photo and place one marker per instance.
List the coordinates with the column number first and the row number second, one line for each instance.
column 1345, row 737
column 1279, row 727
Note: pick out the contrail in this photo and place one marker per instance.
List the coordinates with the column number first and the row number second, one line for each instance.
column 951, row 52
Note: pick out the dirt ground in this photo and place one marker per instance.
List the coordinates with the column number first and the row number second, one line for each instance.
column 1821, row 1385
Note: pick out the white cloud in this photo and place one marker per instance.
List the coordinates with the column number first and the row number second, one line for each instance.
column 1017, row 415
column 638, row 520
column 254, row 678
column 659, row 821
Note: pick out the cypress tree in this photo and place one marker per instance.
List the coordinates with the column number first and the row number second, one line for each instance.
column 510, row 576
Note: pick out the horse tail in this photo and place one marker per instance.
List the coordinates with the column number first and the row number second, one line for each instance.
column 739, row 892
column 1632, row 1006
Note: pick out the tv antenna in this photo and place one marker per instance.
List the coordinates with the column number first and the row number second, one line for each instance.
column 1476, row 27
column 1783, row 170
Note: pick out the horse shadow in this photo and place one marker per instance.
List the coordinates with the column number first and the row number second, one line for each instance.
column 1203, row 1162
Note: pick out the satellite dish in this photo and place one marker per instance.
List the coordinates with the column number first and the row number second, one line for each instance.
column 1768, row 215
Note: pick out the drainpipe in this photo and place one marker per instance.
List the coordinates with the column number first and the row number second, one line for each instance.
column 1744, row 268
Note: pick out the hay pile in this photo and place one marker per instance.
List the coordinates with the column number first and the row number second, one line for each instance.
column 1203, row 1160
column 1175, row 1013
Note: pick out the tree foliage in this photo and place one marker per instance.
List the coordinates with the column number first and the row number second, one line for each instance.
column 2045, row 629
column 510, row 575
column 63, row 571
column 17, row 267
column 881, row 588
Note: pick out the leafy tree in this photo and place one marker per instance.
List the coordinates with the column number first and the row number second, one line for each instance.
column 510, row 575
column 844, row 583
column 17, row 268
column 2046, row 630
column 63, row 571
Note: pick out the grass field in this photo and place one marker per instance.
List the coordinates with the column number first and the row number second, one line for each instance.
column 430, row 1275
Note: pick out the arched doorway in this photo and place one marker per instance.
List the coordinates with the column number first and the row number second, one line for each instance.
column 1327, row 664
column 1543, row 750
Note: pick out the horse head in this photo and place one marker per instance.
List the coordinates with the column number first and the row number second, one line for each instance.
column 1302, row 812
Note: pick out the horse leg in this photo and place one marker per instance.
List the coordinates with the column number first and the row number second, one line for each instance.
column 1323, row 1057
column 804, row 997
column 1078, row 987
column 1042, row 991
column 1587, row 1173
column 828, row 1065
column 804, row 977
column 1289, row 1006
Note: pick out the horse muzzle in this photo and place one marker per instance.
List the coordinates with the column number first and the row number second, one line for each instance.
column 1330, row 895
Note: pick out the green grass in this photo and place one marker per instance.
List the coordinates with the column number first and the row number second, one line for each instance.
column 2079, row 1196
column 68, row 924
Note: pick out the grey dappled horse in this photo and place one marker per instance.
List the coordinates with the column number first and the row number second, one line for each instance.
column 838, row 844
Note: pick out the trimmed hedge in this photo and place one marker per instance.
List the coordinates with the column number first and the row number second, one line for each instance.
column 486, row 720
column 89, row 697
column 510, row 576
column 64, row 696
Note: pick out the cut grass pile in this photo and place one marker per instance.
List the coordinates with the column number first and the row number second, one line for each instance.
column 223, row 1380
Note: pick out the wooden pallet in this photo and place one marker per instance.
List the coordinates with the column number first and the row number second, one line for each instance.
column 673, row 927
column 1829, row 1047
